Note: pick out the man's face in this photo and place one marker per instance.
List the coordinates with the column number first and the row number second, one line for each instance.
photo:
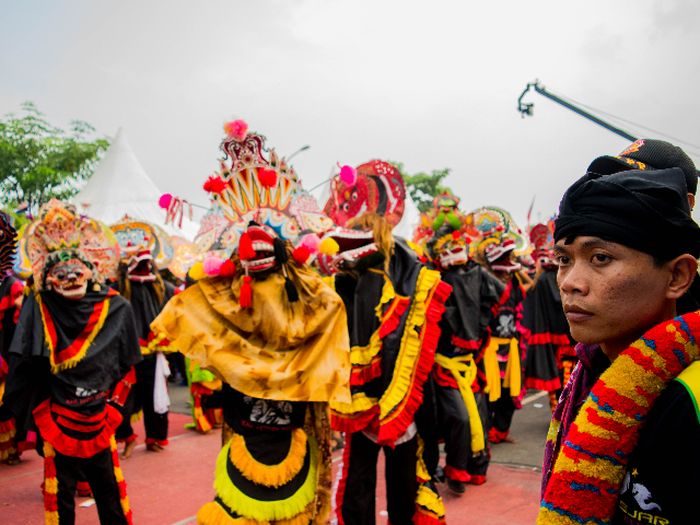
column 611, row 293
column 69, row 278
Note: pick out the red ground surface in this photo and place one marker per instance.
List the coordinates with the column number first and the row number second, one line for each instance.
column 167, row 488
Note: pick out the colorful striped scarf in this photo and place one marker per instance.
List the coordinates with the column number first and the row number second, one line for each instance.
column 590, row 458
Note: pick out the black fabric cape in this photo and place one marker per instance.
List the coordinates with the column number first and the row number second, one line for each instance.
column 112, row 353
column 145, row 304
column 362, row 293
column 469, row 310
column 7, row 313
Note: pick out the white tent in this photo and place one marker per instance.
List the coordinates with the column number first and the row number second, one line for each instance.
column 120, row 186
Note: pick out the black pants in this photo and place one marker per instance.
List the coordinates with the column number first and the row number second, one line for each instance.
column 502, row 411
column 99, row 473
column 456, row 430
column 141, row 398
column 357, row 506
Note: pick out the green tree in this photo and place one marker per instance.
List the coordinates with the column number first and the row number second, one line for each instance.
column 424, row 187
column 39, row 161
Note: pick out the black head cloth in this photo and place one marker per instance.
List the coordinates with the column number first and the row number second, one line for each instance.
column 644, row 210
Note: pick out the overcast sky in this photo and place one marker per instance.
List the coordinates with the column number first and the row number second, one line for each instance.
column 430, row 84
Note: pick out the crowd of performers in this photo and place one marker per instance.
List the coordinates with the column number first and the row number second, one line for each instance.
column 302, row 327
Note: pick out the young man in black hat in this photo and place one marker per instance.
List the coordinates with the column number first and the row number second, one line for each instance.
column 622, row 446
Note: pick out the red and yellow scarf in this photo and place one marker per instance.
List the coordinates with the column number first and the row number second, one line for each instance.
column 584, row 486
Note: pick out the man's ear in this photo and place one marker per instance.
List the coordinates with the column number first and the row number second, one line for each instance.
column 691, row 201
column 683, row 270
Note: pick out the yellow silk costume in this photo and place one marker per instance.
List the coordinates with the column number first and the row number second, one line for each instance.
column 279, row 350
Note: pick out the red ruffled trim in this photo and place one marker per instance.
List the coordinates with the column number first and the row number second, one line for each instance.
column 457, row 474
column 423, row 517
column 466, row 344
column 129, row 439
column 354, row 422
column 340, row 493
column 363, row 374
column 548, row 385
column 70, row 446
column 396, row 310
column 391, row 430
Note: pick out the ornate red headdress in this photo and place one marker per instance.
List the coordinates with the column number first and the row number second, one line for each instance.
column 379, row 188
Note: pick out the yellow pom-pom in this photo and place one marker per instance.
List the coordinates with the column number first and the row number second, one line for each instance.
column 197, row 271
column 328, row 246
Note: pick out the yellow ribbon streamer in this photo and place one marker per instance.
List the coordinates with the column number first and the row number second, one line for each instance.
column 463, row 369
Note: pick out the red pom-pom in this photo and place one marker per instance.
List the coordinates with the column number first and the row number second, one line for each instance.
column 267, row 177
column 165, row 200
column 245, row 248
column 301, row 254
column 456, row 235
column 246, row 297
column 227, row 268
column 214, row 184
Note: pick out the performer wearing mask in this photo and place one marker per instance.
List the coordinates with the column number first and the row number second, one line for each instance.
column 74, row 343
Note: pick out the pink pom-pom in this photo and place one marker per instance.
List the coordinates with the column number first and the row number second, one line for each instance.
column 237, row 129
column 212, row 265
column 348, row 175
column 311, row 242
column 165, row 200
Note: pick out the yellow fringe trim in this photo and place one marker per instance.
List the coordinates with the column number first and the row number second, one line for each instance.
column 213, row 514
column 411, row 343
column 431, row 501
column 136, row 417
column 493, row 373
column 50, row 485
column 119, row 476
column 362, row 355
column 70, row 363
column 360, row 403
column 422, row 473
column 282, row 509
column 464, row 371
column 155, row 346
column 269, row 475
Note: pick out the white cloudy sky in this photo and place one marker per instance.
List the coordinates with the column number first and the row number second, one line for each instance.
column 431, row 84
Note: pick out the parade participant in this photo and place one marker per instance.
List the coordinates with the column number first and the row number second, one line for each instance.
column 644, row 154
column 502, row 357
column 394, row 308
column 74, row 342
column 205, row 392
column 141, row 284
column 10, row 299
column 550, row 354
column 266, row 324
column 462, row 406
column 622, row 445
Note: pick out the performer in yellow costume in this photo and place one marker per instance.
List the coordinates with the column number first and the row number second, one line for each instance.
column 276, row 334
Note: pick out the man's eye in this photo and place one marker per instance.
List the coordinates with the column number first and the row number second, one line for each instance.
column 562, row 260
column 601, row 258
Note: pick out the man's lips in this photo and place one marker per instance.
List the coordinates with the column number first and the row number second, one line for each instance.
column 576, row 314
